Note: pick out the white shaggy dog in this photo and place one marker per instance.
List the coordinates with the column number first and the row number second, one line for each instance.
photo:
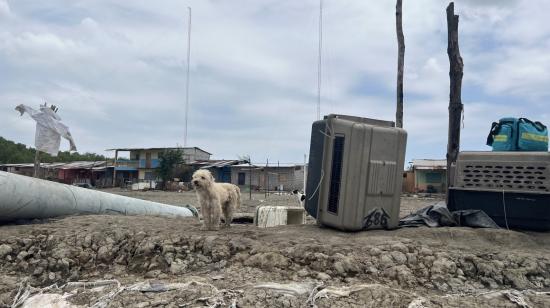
column 215, row 198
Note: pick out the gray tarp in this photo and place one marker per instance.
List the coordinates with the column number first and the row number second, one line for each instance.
column 437, row 215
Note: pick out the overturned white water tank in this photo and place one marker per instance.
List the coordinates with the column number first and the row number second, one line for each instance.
column 23, row 197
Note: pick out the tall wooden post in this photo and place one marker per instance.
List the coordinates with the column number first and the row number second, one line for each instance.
column 114, row 168
column 267, row 177
column 455, row 101
column 36, row 164
column 305, row 174
column 400, row 62
column 250, row 180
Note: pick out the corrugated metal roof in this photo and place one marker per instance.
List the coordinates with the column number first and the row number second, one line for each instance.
column 205, row 164
column 71, row 165
column 429, row 163
column 78, row 165
column 19, row 165
column 247, row 166
column 157, row 149
column 269, row 167
column 53, row 165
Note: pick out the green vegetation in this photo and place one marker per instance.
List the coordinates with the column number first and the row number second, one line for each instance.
column 13, row 153
column 171, row 165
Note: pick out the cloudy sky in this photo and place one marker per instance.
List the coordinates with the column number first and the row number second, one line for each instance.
column 117, row 69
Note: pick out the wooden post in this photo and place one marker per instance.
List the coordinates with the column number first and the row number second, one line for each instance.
column 305, row 174
column 278, row 177
column 267, row 177
column 455, row 101
column 36, row 164
column 114, row 168
column 250, row 180
column 400, row 63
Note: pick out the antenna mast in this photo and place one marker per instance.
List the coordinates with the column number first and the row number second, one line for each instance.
column 319, row 64
column 187, row 81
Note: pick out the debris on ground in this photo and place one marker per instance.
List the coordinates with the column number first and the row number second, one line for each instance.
column 112, row 261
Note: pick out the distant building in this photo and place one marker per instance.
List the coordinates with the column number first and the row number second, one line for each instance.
column 408, row 182
column 428, row 175
column 271, row 178
column 141, row 165
column 143, row 161
column 21, row 169
column 95, row 173
column 239, row 172
column 220, row 169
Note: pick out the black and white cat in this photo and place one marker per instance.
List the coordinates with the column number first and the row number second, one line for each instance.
column 300, row 196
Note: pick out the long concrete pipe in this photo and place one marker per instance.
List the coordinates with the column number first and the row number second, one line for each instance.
column 23, row 197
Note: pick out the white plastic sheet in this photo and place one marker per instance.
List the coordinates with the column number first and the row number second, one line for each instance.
column 49, row 129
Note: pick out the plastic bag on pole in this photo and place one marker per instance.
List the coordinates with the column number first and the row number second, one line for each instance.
column 49, row 129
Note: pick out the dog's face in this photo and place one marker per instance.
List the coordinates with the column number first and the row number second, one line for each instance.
column 202, row 179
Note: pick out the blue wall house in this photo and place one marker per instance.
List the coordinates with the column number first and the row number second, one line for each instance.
column 430, row 175
column 145, row 161
column 220, row 169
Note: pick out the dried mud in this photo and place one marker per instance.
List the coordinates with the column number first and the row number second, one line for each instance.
column 413, row 267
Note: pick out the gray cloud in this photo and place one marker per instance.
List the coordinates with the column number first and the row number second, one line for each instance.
column 117, row 70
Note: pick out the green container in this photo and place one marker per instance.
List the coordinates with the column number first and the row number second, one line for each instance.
column 513, row 134
column 532, row 136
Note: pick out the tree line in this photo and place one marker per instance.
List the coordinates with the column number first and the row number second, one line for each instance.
column 14, row 153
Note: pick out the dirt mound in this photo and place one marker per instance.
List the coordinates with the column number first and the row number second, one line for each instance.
column 438, row 264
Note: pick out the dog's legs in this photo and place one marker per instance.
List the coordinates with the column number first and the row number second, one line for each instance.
column 228, row 213
column 215, row 215
column 206, row 215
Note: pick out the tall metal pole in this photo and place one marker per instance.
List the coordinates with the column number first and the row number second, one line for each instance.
column 187, row 81
column 319, row 63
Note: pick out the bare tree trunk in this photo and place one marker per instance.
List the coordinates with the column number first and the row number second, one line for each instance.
column 455, row 101
column 400, row 62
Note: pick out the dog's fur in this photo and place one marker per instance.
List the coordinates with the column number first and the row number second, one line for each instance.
column 215, row 198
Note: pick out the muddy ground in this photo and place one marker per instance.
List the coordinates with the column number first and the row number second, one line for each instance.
column 409, row 204
column 166, row 262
